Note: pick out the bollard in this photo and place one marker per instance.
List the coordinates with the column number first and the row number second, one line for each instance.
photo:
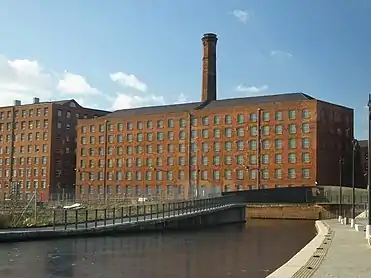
column 129, row 214
column 144, row 212
column 96, row 218
column 86, row 218
column 65, row 219
column 76, row 218
column 122, row 215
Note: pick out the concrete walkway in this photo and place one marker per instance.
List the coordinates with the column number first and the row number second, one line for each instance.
column 348, row 256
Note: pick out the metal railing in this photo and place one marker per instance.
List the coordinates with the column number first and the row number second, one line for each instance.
column 83, row 216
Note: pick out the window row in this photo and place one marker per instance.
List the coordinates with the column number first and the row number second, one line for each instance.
column 203, row 175
column 204, row 133
column 25, row 137
column 239, row 145
column 24, row 125
column 20, row 173
column 292, row 158
column 205, row 121
column 25, row 113
column 24, row 161
column 34, row 184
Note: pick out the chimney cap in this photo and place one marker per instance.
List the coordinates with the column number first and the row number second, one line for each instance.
column 209, row 36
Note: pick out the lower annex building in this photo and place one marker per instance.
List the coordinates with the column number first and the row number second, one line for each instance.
column 211, row 146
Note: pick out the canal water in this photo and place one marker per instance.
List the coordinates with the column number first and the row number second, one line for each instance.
column 253, row 250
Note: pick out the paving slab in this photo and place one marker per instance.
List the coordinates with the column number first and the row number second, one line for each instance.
column 349, row 255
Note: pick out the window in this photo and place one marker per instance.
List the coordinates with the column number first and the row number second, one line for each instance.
column 305, row 128
column 205, row 120
column 305, row 143
column 228, row 119
column 266, row 144
column 292, row 158
column 252, row 145
column 292, row 128
column 305, row 158
column 278, row 116
column 240, row 132
column 253, row 117
column 278, row 173
column 266, row 116
column 217, row 120
column 228, row 132
column 278, row 158
column 292, row 143
column 265, row 130
column 253, row 131
column 240, row 118
column 292, row 114
column 278, row 129
column 291, row 173
column 305, row 173
column 265, row 174
column 278, row 144
column 305, row 114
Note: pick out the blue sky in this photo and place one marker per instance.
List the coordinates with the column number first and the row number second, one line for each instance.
column 321, row 47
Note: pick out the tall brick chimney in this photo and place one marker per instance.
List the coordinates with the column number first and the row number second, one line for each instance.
column 209, row 67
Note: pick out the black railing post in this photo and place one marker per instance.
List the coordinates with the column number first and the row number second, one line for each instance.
column 114, row 216
column 138, row 213
column 53, row 219
column 76, row 218
column 65, row 219
column 96, row 218
column 86, row 218
column 122, row 215
column 157, row 210
column 105, row 217
column 163, row 210
column 129, row 214
column 151, row 210
column 144, row 212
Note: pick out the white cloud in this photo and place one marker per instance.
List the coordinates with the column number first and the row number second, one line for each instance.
column 126, row 101
column 128, row 80
column 75, row 84
column 242, row 15
column 23, row 79
column 252, row 90
column 280, row 53
column 182, row 98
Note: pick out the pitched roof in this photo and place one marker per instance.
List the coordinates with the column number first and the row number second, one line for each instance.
column 186, row 107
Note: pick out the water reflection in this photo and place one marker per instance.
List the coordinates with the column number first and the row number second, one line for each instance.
column 251, row 250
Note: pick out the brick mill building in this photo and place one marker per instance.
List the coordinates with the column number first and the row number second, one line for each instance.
column 211, row 146
column 37, row 148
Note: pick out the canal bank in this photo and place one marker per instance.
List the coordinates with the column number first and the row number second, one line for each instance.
column 289, row 211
